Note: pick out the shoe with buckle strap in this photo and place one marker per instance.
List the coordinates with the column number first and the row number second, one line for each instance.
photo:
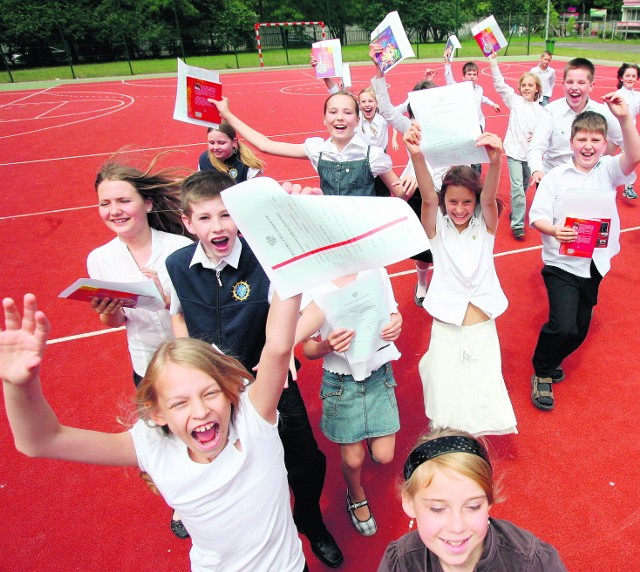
column 365, row 527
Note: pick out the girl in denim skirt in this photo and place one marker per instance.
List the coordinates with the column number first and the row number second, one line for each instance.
column 354, row 321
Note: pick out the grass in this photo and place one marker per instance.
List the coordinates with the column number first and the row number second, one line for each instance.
column 627, row 50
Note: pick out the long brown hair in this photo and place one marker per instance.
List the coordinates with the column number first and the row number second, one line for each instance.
column 161, row 188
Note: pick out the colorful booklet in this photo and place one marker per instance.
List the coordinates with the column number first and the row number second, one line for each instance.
column 453, row 44
column 489, row 36
column 328, row 54
column 195, row 87
column 133, row 294
column 391, row 36
column 592, row 234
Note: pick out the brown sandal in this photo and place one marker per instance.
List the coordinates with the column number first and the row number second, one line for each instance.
column 542, row 392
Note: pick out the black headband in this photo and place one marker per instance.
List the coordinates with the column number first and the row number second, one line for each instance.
column 442, row 446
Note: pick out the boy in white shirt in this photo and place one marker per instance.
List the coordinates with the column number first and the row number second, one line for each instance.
column 572, row 282
column 549, row 146
column 547, row 77
column 470, row 73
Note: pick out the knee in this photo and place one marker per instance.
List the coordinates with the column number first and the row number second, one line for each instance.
column 353, row 458
column 384, row 457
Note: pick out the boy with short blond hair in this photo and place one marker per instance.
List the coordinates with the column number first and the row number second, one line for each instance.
column 572, row 282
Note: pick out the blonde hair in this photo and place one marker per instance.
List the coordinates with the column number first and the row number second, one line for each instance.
column 537, row 81
column 469, row 465
column 247, row 156
column 228, row 372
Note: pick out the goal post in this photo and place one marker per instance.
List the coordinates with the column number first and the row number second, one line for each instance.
column 260, row 25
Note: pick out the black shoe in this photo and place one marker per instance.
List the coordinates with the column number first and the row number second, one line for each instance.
column 324, row 546
column 178, row 529
column 557, row 375
column 418, row 299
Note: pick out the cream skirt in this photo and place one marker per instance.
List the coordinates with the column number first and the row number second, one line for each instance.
column 462, row 380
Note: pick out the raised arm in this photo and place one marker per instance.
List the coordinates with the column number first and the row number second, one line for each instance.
column 257, row 139
column 630, row 157
column 506, row 92
column 36, row 429
column 274, row 360
column 488, row 203
column 429, row 210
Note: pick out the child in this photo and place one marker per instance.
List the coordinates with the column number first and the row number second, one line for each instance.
column 461, row 372
column 345, row 163
column 524, row 116
column 213, row 450
column 395, row 116
column 572, row 282
column 449, row 489
column 358, row 399
column 143, row 210
column 547, row 77
column 470, row 73
column 549, row 146
column 220, row 294
column 225, row 153
column 627, row 78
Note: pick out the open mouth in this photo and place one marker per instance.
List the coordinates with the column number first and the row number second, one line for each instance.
column 207, row 434
column 220, row 243
column 456, row 546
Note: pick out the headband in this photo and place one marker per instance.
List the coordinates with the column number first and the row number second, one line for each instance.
column 442, row 446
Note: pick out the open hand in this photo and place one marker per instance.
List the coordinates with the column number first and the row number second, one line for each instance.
column 23, row 341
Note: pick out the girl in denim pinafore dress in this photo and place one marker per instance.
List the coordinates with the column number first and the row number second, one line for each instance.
column 345, row 163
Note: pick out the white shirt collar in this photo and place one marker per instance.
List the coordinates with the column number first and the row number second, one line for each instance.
column 200, row 257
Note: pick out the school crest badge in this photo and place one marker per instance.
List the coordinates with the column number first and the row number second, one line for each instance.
column 241, row 291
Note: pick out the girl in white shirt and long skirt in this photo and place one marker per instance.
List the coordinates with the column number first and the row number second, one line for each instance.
column 462, row 370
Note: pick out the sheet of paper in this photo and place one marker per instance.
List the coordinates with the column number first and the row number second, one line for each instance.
column 346, row 76
column 133, row 294
column 328, row 54
column 302, row 241
column 391, row 36
column 357, row 306
column 448, row 116
column 195, row 87
column 489, row 36
column 453, row 44
column 598, row 205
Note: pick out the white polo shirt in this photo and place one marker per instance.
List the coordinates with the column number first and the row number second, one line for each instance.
column 547, row 205
column 549, row 146
column 547, row 79
column 464, row 271
column 356, row 150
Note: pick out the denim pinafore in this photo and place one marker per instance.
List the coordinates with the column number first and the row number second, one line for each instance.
column 346, row 178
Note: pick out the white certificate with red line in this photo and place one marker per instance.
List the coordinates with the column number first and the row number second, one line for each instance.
column 305, row 240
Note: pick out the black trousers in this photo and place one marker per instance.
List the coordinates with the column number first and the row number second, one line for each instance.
column 571, row 302
column 306, row 465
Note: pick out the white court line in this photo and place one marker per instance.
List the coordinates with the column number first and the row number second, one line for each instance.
column 126, row 101
column 166, row 147
column 47, row 212
column 27, row 96
column 394, row 275
column 50, row 110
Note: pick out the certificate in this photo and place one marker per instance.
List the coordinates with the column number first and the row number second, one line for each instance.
column 357, row 306
column 448, row 116
column 302, row 241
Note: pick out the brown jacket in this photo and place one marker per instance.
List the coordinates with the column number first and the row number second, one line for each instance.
column 507, row 548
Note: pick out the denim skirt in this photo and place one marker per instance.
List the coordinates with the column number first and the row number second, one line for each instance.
column 356, row 410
